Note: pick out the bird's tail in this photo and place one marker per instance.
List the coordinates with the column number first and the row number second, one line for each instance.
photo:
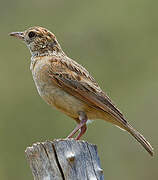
column 140, row 138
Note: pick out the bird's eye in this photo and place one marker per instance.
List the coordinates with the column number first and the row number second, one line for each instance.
column 31, row 34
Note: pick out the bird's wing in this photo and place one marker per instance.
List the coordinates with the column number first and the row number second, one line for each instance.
column 76, row 80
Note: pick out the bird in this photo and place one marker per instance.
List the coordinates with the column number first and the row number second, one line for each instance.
column 69, row 87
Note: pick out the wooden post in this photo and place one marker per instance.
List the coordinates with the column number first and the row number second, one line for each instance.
column 66, row 159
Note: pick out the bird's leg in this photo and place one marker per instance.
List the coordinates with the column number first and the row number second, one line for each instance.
column 83, row 130
column 82, row 125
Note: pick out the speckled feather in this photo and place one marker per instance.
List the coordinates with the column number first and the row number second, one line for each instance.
column 77, row 81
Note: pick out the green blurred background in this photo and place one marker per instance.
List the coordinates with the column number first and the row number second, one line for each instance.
column 117, row 41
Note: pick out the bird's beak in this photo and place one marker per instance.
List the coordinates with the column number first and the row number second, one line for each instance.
column 19, row 35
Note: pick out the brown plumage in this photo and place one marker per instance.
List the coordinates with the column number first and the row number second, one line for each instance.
column 69, row 87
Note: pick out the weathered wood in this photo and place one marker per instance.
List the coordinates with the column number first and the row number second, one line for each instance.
column 66, row 159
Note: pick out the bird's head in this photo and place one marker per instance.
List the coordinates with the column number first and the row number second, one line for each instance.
column 39, row 40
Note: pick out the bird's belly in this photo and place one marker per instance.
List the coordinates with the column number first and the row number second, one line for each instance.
column 55, row 96
column 63, row 101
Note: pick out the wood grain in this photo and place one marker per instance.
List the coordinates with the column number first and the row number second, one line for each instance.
column 64, row 159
